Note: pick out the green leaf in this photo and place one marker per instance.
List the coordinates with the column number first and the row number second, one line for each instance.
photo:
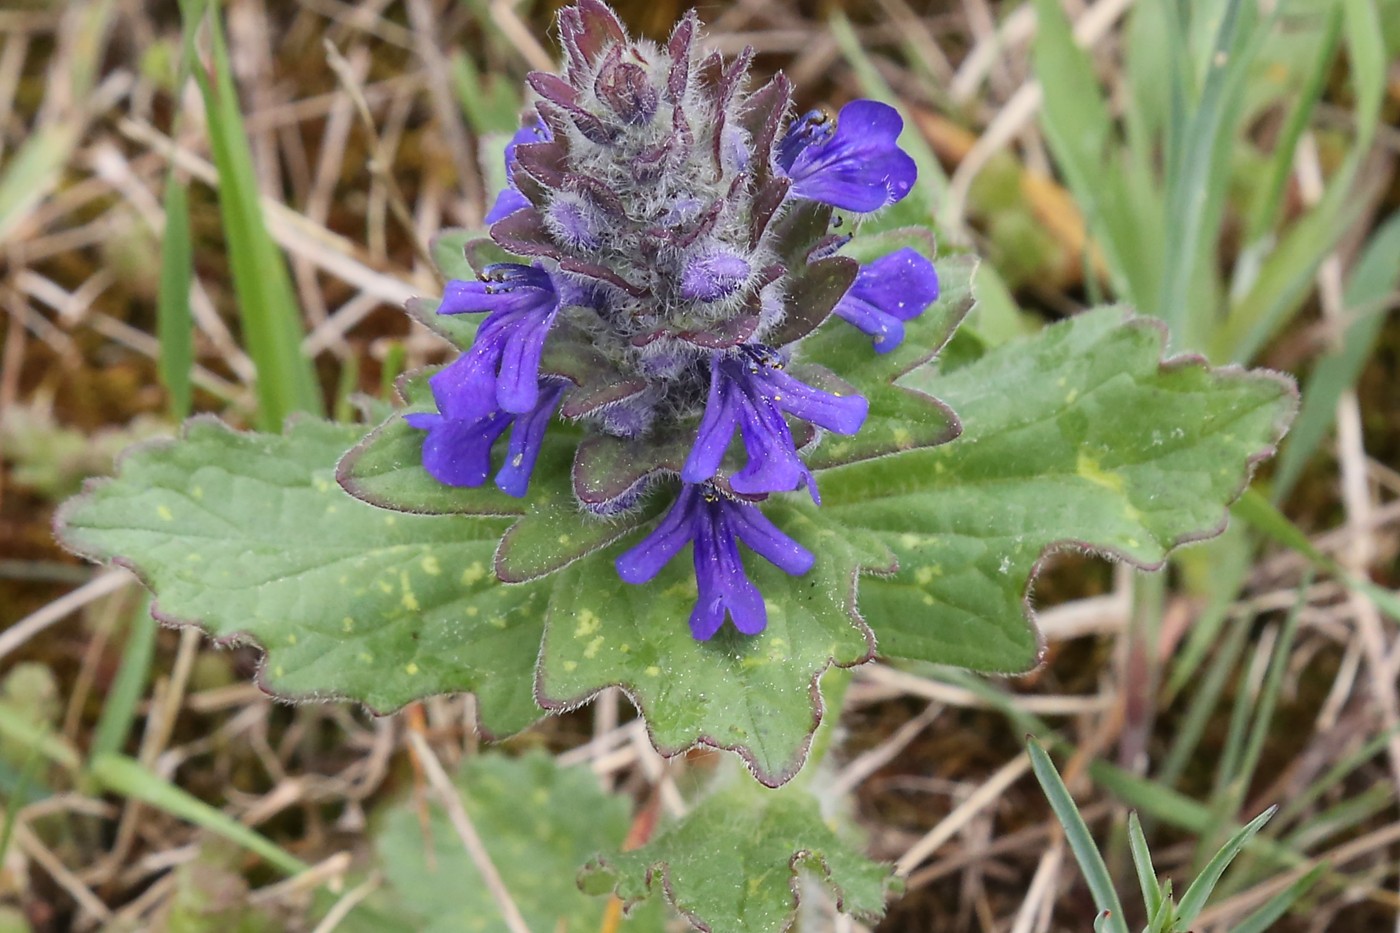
column 756, row 696
column 539, row 823
column 901, row 418
column 1077, row 437
column 248, row 536
column 731, row 864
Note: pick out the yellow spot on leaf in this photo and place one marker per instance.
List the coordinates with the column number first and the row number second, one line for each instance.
column 411, row 668
column 348, row 624
column 564, row 540
column 653, row 671
column 410, row 602
column 474, row 572
column 570, row 665
column 588, row 623
column 431, row 566
column 1089, row 468
column 164, row 513
column 591, row 651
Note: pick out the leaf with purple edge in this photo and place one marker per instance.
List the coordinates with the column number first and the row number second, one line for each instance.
column 249, row 537
column 1080, row 437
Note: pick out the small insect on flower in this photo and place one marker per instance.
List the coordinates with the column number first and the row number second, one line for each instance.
column 672, row 228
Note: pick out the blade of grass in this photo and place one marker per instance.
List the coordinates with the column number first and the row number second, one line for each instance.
column 1261, row 514
column 1263, row 919
column 125, row 776
column 1189, row 185
column 267, row 306
column 1335, row 775
column 1271, row 197
column 1224, row 564
column 119, row 708
column 490, row 106
column 1194, row 900
column 1081, row 843
column 1373, row 279
column 1202, row 706
column 1142, row 862
column 174, row 322
column 1077, row 125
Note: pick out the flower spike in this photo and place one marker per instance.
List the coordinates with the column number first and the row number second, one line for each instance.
column 679, row 226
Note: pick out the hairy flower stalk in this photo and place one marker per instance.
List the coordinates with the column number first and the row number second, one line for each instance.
column 672, row 231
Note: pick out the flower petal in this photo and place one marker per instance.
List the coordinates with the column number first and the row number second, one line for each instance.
column 458, row 453
column 526, row 438
column 717, row 428
column 645, row 560
column 768, row 541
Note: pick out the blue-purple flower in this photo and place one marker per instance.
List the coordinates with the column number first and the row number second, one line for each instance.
column 715, row 525
column 855, row 164
column 887, row 292
column 457, row 451
column 510, row 199
column 501, row 370
column 496, row 384
column 749, row 393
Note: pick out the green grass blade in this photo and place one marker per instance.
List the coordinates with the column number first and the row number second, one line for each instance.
column 1081, row 843
column 119, row 708
column 125, row 776
column 1373, row 279
column 1271, row 197
column 1335, row 775
column 1194, row 900
column 1142, row 863
column 1202, row 706
column 1275, row 907
column 272, row 327
column 490, row 106
column 174, row 323
column 1261, row 514
column 1225, row 563
column 1076, row 122
column 1189, row 188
